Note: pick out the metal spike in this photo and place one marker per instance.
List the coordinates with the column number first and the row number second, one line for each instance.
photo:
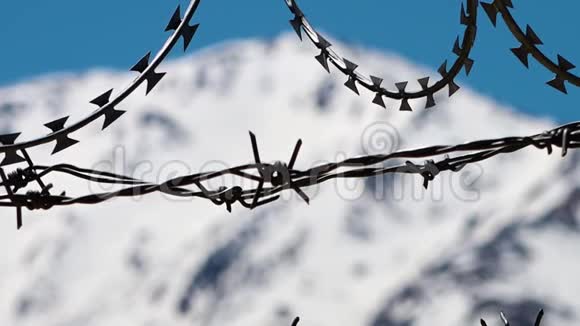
column 456, row 47
column 522, row 54
column 11, row 157
column 426, row 182
column 295, row 154
column 257, row 160
column 351, row 84
column 483, row 323
column 103, row 99
column 424, row 82
column 443, row 69
column 255, row 148
column 63, row 142
column 532, row 36
column 507, row 3
column 111, row 115
column 491, row 12
column 350, row 66
column 11, row 196
column 56, row 125
column 322, row 42
column 378, row 100
column 175, row 20
column 405, row 106
column 187, row 33
column 18, row 218
column 153, row 79
column 430, row 101
column 453, row 88
column 464, row 19
column 143, row 63
column 301, row 194
column 322, row 58
column 565, row 64
column 539, row 318
column 295, row 322
column 559, row 84
column 257, row 195
column 297, row 26
column 9, row 139
column 468, row 65
column 565, row 143
column 504, row 319
column 401, row 86
column 377, row 81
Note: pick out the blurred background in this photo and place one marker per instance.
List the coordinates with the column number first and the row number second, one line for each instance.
column 500, row 235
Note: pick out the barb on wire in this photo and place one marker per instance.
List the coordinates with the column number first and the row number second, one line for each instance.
column 373, row 84
column 529, row 42
column 275, row 174
column 273, row 178
column 146, row 67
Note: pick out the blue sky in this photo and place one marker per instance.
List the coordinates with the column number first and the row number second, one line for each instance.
column 67, row 35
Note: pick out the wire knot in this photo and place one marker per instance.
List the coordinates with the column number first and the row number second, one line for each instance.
column 428, row 171
column 37, row 200
column 560, row 137
column 20, row 178
column 230, row 195
column 276, row 174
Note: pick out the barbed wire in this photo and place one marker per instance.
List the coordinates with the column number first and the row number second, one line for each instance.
column 106, row 103
column 273, row 178
column 504, row 319
column 373, row 83
column 529, row 41
column 146, row 67
column 270, row 179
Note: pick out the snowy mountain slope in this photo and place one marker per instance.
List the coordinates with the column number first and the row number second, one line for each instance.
column 498, row 235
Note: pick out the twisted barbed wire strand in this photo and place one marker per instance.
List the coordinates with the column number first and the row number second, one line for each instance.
column 273, row 178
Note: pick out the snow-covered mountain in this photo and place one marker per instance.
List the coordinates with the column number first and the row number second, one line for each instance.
column 500, row 235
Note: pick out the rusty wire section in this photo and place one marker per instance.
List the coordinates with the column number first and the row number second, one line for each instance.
column 504, row 319
column 373, row 83
column 529, row 41
column 268, row 180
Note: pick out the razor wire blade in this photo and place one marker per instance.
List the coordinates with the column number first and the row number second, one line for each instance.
column 272, row 179
column 280, row 176
column 16, row 152
column 529, row 41
column 372, row 83
column 106, row 102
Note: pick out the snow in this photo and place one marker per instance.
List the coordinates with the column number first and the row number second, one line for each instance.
column 491, row 238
